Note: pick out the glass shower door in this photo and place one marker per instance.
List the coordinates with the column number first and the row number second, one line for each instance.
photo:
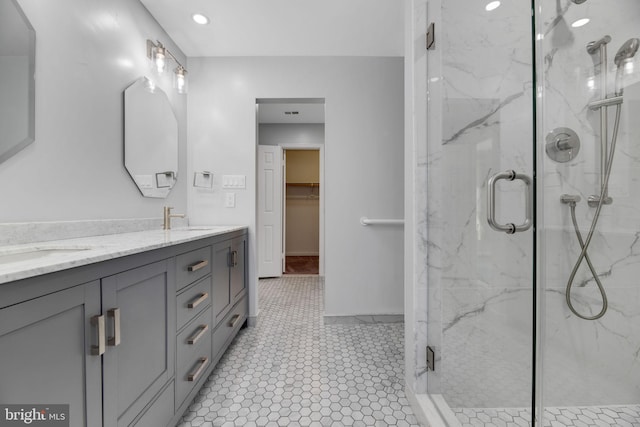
column 589, row 212
column 480, row 201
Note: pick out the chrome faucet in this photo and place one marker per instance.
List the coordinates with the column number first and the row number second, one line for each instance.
column 167, row 217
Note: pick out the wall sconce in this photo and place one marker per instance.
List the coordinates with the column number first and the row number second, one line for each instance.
column 158, row 53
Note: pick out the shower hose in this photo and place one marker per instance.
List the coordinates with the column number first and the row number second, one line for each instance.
column 584, row 244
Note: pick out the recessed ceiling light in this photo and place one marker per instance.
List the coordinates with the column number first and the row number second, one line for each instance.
column 580, row 22
column 199, row 18
column 492, row 6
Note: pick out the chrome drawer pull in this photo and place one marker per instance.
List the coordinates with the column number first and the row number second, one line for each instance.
column 202, row 362
column 97, row 350
column 234, row 320
column 114, row 314
column 198, row 265
column 199, row 334
column 198, row 300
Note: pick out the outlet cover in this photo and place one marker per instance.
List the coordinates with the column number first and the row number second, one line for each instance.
column 229, row 200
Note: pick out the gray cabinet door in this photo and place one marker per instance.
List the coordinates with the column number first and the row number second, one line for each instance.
column 221, row 300
column 138, row 368
column 45, row 353
column 238, row 267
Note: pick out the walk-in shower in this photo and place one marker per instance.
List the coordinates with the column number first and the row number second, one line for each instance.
column 531, row 124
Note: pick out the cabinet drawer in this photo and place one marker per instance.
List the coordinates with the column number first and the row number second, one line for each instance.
column 193, row 360
column 192, row 301
column 190, row 339
column 192, row 266
column 229, row 327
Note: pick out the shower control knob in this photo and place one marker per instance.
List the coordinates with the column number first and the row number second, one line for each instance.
column 562, row 145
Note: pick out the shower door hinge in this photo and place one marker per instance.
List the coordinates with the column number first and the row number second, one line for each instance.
column 431, row 36
column 431, row 359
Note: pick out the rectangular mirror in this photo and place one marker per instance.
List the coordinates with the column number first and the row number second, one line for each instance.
column 17, row 85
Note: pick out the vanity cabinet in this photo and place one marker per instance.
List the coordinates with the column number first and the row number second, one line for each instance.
column 229, row 275
column 124, row 342
column 46, row 353
column 193, row 341
column 138, row 363
column 219, row 308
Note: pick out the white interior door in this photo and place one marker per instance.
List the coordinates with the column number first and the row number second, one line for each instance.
column 270, row 201
column 283, row 206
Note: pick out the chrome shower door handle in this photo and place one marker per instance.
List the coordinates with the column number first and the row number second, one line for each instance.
column 509, row 228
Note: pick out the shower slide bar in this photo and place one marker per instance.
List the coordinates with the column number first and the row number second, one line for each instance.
column 366, row 221
column 614, row 100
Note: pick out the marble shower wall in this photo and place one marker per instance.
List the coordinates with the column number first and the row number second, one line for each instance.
column 479, row 280
column 590, row 362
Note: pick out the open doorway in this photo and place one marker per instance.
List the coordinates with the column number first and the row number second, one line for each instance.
column 302, row 211
column 290, row 182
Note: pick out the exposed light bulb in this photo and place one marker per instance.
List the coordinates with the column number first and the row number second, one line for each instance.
column 159, row 59
column 180, row 80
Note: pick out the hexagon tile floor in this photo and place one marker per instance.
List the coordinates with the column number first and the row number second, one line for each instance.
column 293, row 370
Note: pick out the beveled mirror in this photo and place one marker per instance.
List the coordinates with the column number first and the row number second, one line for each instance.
column 150, row 139
column 17, row 82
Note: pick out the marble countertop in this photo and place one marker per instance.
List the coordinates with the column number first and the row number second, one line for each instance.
column 34, row 259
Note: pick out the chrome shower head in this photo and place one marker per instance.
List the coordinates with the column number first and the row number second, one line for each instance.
column 626, row 51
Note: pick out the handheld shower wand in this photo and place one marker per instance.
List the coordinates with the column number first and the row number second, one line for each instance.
column 625, row 53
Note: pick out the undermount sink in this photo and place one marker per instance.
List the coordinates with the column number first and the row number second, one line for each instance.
column 30, row 254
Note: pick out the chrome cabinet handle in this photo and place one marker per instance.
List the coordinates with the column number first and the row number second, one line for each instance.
column 234, row 320
column 199, row 334
column 114, row 314
column 202, row 362
column 198, row 265
column 509, row 228
column 198, row 300
column 234, row 258
column 98, row 350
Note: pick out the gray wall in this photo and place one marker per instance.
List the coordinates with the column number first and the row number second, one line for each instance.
column 363, row 162
column 87, row 54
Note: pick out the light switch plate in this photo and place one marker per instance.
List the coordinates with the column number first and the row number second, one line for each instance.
column 234, row 181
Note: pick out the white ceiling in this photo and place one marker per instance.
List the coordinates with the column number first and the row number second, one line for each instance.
column 283, row 27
